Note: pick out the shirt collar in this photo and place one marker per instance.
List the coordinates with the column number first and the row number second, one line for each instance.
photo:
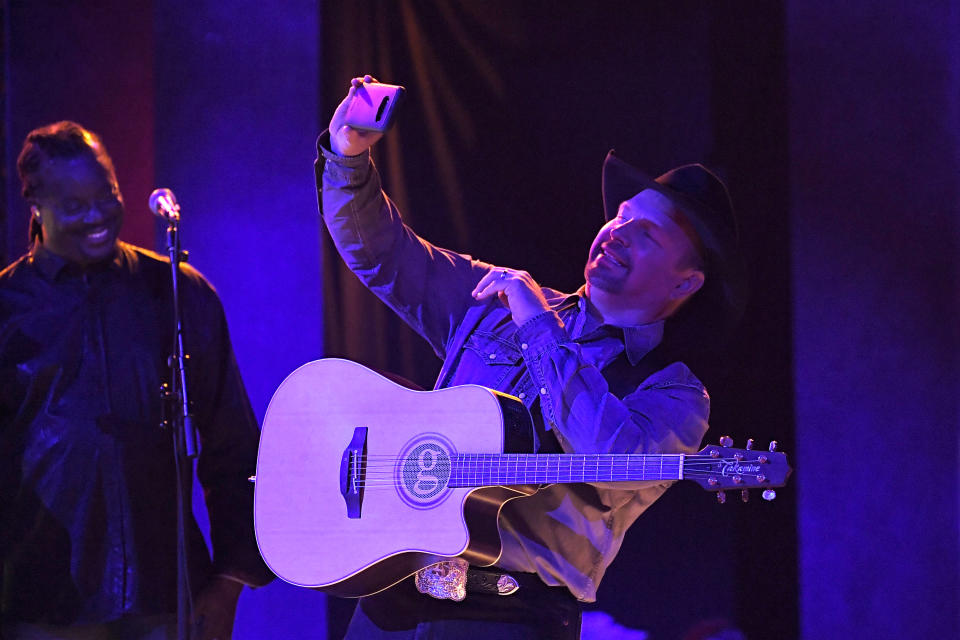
column 50, row 265
column 642, row 339
column 638, row 340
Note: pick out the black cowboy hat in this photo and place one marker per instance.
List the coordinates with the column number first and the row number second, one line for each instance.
column 703, row 198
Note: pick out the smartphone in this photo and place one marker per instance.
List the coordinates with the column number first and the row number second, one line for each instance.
column 374, row 106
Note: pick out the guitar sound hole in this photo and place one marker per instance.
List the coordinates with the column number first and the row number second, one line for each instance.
column 424, row 472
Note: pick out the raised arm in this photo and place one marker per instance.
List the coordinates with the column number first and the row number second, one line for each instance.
column 427, row 286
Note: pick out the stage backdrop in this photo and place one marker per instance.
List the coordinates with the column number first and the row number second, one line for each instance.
column 836, row 127
column 875, row 216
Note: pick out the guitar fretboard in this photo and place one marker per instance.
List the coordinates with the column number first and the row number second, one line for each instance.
column 479, row 469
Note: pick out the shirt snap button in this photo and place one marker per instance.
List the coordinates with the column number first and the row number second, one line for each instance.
column 524, row 345
column 543, row 389
column 493, row 356
column 522, row 395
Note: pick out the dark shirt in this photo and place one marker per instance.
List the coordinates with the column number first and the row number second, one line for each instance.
column 87, row 479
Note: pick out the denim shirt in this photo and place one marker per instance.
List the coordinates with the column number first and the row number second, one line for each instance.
column 555, row 363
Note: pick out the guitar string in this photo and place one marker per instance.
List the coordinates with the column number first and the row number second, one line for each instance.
column 565, row 466
column 388, row 470
column 632, row 456
column 494, row 479
column 541, row 460
column 582, row 477
column 548, row 477
column 481, row 466
column 492, row 467
column 568, row 459
column 623, row 470
column 494, row 483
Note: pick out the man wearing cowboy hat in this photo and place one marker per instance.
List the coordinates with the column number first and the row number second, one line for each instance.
column 591, row 366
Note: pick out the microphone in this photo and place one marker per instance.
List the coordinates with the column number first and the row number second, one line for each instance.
column 164, row 204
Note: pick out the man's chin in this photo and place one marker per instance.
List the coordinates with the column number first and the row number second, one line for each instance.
column 598, row 280
column 99, row 251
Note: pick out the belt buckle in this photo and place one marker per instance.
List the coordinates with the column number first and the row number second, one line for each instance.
column 446, row 580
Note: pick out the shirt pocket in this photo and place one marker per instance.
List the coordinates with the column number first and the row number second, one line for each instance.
column 493, row 356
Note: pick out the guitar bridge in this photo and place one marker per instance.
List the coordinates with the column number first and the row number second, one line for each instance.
column 353, row 472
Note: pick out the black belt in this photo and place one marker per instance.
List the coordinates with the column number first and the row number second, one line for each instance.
column 533, row 603
column 505, row 583
column 496, row 582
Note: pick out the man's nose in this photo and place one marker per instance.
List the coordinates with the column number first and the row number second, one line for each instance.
column 623, row 231
column 94, row 214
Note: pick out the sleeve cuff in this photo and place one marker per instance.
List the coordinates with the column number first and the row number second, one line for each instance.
column 326, row 151
column 340, row 171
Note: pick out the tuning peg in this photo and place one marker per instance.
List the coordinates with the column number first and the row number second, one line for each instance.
column 726, row 441
column 721, row 497
column 773, row 445
column 749, row 444
column 769, row 495
column 745, row 495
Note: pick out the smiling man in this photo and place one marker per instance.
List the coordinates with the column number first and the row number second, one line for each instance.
column 645, row 262
column 594, row 368
column 87, row 482
column 75, row 200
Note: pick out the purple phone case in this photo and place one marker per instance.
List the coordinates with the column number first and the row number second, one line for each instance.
column 374, row 106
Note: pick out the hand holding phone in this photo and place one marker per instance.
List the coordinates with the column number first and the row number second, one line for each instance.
column 370, row 115
column 374, row 106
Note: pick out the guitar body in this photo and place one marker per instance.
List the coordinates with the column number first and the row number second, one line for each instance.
column 403, row 517
column 362, row 482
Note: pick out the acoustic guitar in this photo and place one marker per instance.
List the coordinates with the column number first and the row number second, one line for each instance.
column 362, row 482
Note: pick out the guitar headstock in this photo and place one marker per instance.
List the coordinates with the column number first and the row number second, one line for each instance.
column 721, row 467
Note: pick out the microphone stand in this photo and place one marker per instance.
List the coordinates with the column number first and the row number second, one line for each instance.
column 177, row 414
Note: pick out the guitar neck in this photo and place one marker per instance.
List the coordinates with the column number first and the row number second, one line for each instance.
column 480, row 470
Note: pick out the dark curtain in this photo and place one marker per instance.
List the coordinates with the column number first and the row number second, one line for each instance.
column 4, row 160
column 511, row 108
column 440, row 52
column 88, row 62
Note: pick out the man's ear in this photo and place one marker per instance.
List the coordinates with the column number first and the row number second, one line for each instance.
column 689, row 285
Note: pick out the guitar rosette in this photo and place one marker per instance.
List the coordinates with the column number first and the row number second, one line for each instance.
column 423, row 471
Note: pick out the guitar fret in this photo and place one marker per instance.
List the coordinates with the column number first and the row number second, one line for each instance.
column 507, row 469
column 490, row 469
